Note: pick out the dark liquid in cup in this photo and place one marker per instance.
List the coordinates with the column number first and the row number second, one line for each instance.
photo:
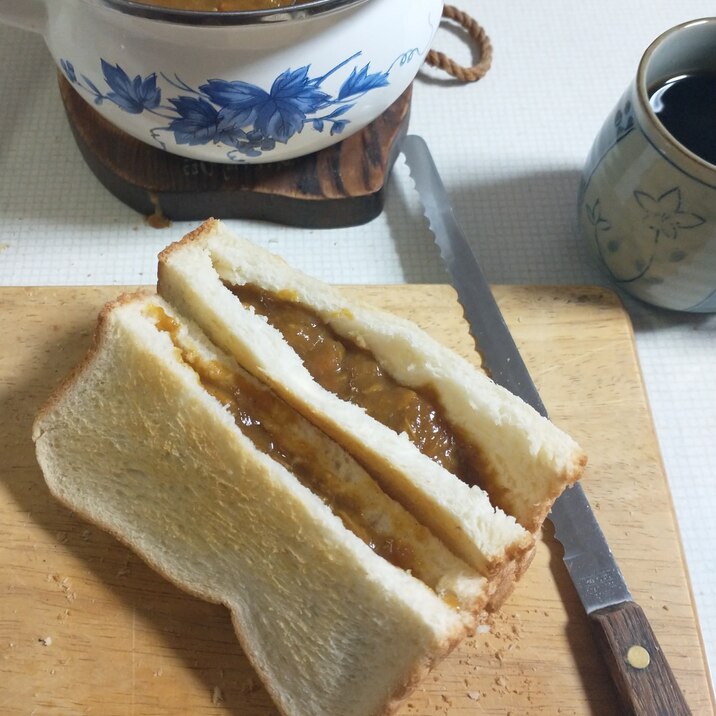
column 686, row 106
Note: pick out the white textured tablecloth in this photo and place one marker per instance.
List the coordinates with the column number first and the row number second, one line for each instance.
column 510, row 149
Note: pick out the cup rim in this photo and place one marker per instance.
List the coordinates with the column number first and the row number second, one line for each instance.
column 643, row 95
column 235, row 17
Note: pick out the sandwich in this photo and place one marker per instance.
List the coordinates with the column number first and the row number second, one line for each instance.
column 334, row 523
column 377, row 384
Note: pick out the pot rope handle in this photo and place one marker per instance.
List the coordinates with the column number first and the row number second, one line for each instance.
column 477, row 33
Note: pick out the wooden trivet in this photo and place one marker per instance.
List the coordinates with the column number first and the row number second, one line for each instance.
column 342, row 185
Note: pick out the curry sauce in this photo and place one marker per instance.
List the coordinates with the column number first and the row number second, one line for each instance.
column 353, row 374
column 279, row 431
column 222, row 5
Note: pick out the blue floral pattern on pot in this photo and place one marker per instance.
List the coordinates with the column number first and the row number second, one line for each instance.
column 244, row 117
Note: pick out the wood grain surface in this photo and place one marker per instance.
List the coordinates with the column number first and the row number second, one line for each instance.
column 86, row 627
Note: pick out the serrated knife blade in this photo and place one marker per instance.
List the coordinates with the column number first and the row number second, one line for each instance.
column 639, row 668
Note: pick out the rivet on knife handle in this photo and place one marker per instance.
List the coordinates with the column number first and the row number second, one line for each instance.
column 637, row 665
column 646, row 684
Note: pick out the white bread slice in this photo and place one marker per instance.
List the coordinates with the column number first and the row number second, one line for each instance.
column 529, row 461
column 134, row 443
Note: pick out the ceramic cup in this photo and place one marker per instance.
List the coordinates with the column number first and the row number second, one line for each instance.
column 647, row 204
column 235, row 87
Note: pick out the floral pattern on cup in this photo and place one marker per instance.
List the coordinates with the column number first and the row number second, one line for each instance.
column 663, row 219
column 624, row 120
column 244, row 117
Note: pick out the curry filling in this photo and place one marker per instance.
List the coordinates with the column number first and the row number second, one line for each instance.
column 222, row 5
column 353, row 374
column 278, row 430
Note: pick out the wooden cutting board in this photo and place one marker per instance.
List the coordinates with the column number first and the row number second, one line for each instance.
column 86, row 627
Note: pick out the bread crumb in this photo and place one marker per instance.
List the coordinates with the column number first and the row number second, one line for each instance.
column 65, row 586
column 250, row 686
column 483, row 629
column 474, row 695
column 217, row 696
column 45, row 640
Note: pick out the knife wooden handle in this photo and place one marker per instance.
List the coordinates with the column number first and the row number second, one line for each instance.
column 638, row 667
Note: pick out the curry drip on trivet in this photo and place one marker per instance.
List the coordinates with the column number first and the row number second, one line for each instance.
column 353, row 374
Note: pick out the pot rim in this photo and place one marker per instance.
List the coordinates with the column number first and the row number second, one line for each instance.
column 238, row 17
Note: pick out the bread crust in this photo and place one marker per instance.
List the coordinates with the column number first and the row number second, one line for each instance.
column 79, row 369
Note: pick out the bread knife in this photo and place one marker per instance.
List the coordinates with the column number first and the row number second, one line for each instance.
column 638, row 667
